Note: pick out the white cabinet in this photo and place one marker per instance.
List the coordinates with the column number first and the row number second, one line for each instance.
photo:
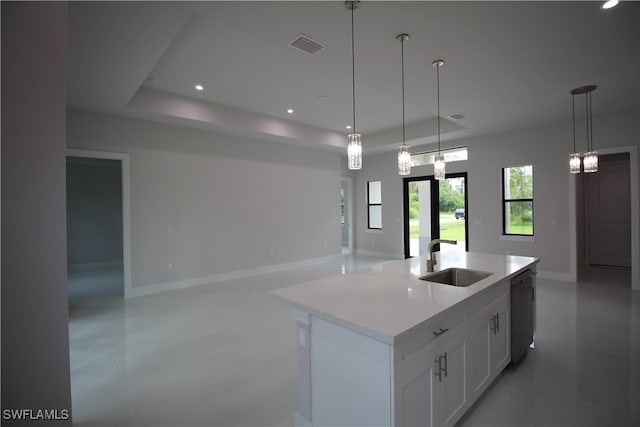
column 479, row 365
column 432, row 392
column 488, row 344
column 500, row 335
column 412, row 395
column 448, row 382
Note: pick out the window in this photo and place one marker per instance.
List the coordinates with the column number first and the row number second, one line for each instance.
column 517, row 200
column 450, row 155
column 374, row 201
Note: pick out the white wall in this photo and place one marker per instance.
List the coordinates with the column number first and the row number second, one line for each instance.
column 211, row 204
column 545, row 147
column 94, row 212
column 35, row 329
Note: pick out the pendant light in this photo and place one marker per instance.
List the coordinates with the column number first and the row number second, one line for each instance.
column 574, row 158
column 590, row 161
column 404, row 150
column 354, row 139
column 438, row 164
column 591, row 156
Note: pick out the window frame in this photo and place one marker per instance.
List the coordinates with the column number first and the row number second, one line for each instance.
column 521, row 200
column 369, row 204
column 453, row 154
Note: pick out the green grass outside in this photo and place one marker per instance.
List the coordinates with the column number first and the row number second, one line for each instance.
column 453, row 230
column 526, row 229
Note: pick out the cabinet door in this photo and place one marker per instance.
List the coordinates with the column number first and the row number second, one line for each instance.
column 412, row 396
column 478, row 363
column 448, row 380
column 500, row 335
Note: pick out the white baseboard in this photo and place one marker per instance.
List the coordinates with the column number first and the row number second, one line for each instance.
column 301, row 421
column 379, row 254
column 233, row 275
column 89, row 266
column 552, row 275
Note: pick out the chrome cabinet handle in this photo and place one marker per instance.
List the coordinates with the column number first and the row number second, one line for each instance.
column 495, row 324
column 440, row 331
column 445, row 364
column 438, row 372
column 440, row 369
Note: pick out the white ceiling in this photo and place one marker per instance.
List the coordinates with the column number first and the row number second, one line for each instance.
column 507, row 65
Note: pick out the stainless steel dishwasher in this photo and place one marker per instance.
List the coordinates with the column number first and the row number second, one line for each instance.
column 522, row 295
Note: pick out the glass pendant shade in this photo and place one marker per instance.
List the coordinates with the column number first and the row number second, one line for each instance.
column 591, row 161
column 354, row 151
column 574, row 163
column 438, row 166
column 404, row 159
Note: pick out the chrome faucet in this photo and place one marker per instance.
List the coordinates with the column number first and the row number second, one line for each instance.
column 431, row 260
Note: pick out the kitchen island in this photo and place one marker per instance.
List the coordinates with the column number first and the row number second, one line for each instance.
column 382, row 346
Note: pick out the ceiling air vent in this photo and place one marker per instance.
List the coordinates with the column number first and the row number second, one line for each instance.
column 457, row 116
column 306, row 44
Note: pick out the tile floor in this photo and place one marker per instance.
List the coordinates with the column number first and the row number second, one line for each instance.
column 224, row 355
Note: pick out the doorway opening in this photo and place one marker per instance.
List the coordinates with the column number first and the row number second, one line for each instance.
column 435, row 209
column 94, row 229
column 605, row 214
column 346, row 215
column 98, row 240
column 609, row 213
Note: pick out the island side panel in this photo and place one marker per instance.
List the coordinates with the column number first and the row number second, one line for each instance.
column 304, row 370
column 351, row 377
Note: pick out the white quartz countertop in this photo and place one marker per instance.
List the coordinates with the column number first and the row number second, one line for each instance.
column 387, row 300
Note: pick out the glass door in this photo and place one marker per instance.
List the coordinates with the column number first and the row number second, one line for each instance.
column 452, row 211
column 418, row 214
column 435, row 210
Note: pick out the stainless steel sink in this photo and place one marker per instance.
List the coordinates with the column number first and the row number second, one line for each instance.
column 456, row 276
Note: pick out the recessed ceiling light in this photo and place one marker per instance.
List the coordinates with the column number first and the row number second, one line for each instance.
column 290, row 111
column 199, row 87
column 348, row 126
column 609, row 4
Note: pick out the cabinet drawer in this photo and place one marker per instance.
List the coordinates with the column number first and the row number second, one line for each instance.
column 488, row 297
column 418, row 341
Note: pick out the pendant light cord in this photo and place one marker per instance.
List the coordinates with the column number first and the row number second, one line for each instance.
column 403, row 132
column 586, row 101
column 438, row 100
column 573, row 110
column 353, row 70
column 590, row 123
